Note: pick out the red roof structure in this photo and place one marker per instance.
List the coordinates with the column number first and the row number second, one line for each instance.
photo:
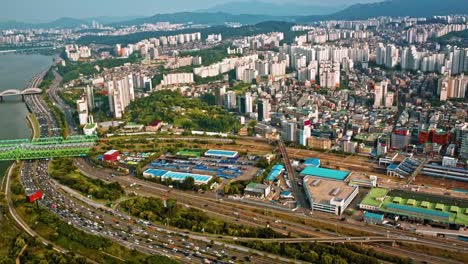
column 35, row 196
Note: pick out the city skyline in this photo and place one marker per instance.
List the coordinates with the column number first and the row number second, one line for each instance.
column 238, row 131
column 48, row 10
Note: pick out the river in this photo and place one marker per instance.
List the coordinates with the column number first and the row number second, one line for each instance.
column 15, row 72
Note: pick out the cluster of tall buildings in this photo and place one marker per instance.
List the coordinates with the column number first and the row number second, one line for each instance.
column 383, row 97
column 421, row 33
column 387, row 55
column 269, row 40
column 120, row 94
column 177, row 78
column 251, row 70
column 321, row 35
column 329, row 74
column 453, row 87
column 14, row 39
column 75, row 52
column 150, row 47
column 214, row 38
column 223, row 66
column 177, row 62
column 247, row 104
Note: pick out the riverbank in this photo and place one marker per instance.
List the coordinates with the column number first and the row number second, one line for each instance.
column 33, row 125
column 17, row 71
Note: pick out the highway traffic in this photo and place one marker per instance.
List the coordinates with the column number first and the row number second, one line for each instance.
column 97, row 219
column 187, row 247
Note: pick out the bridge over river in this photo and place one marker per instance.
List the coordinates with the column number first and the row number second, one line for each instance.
column 46, row 148
column 15, row 92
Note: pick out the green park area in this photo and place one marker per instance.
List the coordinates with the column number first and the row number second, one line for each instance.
column 67, row 174
column 174, row 214
column 184, row 112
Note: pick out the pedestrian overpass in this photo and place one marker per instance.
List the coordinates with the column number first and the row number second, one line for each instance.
column 13, row 92
column 46, row 148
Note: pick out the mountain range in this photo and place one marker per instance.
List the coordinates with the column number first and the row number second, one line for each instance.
column 244, row 13
column 416, row 8
column 253, row 7
column 64, row 22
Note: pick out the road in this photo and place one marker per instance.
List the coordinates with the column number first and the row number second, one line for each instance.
column 152, row 238
column 254, row 215
column 133, row 233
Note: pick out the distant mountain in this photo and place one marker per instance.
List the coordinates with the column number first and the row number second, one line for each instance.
column 416, row 8
column 227, row 32
column 111, row 19
column 254, row 7
column 203, row 18
column 64, row 22
column 236, row 12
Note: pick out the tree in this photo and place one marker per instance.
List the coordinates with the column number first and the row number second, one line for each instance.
column 326, row 259
column 208, row 98
column 188, row 183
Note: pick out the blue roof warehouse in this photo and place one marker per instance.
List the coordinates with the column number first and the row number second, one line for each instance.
column 325, row 173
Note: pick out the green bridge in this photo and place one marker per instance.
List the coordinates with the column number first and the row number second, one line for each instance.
column 46, row 148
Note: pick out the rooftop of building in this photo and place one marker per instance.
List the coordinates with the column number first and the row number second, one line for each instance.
column 323, row 190
column 275, row 172
column 325, row 173
column 373, row 215
column 312, row 162
column 372, row 198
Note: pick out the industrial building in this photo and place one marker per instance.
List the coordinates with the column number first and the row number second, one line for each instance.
column 314, row 162
column 409, row 165
column 327, row 195
column 373, row 218
column 328, row 174
column 257, row 189
column 276, row 171
column 221, row 153
column 454, row 173
column 416, row 206
column 111, row 155
column 177, row 176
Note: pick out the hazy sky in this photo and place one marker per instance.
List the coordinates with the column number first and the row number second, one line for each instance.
column 45, row 10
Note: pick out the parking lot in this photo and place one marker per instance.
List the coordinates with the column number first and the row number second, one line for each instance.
column 242, row 168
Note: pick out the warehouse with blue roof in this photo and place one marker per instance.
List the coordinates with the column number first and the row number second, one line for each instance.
column 314, row 162
column 275, row 172
column 177, row 176
column 221, row 153
column 373, row 218
column 325, row 173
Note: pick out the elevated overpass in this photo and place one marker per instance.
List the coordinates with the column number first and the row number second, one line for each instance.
column 22, row 93
column 46, row 148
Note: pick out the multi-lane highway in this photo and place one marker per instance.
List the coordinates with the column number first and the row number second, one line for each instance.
column 133, row 233
column 187, row 247
column 281, row 221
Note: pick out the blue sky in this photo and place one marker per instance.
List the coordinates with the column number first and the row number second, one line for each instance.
column 46, row 10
